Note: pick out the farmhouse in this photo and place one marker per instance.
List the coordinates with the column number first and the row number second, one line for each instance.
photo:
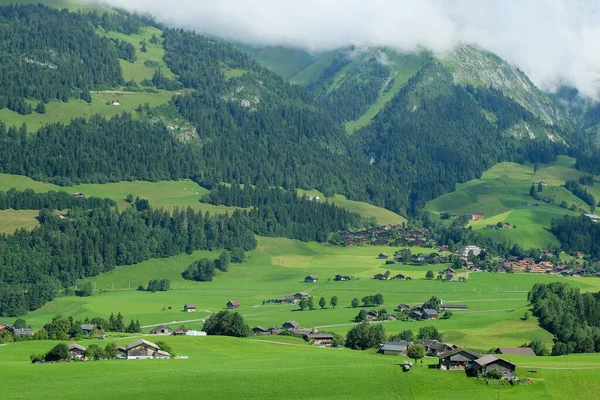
column 475, row 216
column 342, row 278
column 593, row 217
column 78, row 195
column 289, row 325
column 483, row 365
column 399, row 277
column 181, row 331
column 77, row 351
column 380, row 277
column 286, row 300
column 311, row 279
column 448, row 271
column 142, row 349
column 521, row 351
column 88, row 328
column 458, row 359
column 233, row 304
column 161, row 330
column 403, row 307
column 323, row 339
column 437, row 349
column 429, row 313
column 384, row 255
column 189, row 308
column 465, row 250
column 260, row 331
column 394, row 348
column 22, row 332
column 116, row 103
column 301, row 295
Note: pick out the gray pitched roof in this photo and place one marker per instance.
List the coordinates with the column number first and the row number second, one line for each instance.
column 190, row 306
column 490, row 358
column 459, row 350
column 87, row 327
column 140, row 342
column 523, row 351
column 320, row 336
column 159, row 327
column 395, row 346
column 430, row 311
column 25, row 331
column 293, row 323
column 76, row 346
column 260, row 328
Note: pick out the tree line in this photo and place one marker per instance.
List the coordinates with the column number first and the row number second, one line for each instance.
column 577, row 233
column 28, row 199
column 35, row 265
column 572, row 317
column 578, row 190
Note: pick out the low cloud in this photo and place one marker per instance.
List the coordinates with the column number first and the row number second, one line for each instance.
column 554, row 41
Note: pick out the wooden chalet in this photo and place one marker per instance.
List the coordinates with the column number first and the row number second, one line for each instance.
column 289, row 325
column 399, row 277
column 189, row 308
column 380, row 277
column 342, row 278
column 311, row 279
column 260, row 331
column 394, row 348
column 142, row 349
column 77, row 351
column 301, row 295
column 483, row 365
column 181, row 331
column 161, row 330
column 383, row 256
column 457, row 359
column 322, row 339
column 521, row 351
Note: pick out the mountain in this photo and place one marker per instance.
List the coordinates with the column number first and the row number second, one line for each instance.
column 372, row 77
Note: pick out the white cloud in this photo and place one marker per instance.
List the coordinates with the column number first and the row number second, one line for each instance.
column 553, row 41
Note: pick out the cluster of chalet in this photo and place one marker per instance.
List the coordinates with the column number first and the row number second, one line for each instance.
column 530, row 265
column 427, row 312
column 421, row 259
column 477, row 365
column 165, row 330
column 15, row 331
column 140, row 349
column 389, row 235
column 293, row 299
column 433, row 348
column 398, row 277
column 472, row 216
column 504, row 225
column 310, row 335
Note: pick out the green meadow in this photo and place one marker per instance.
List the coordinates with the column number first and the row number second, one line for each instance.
column 501, row 192
column 497, row 302
column 11, row 220
column 229, row 368
column 58, row 111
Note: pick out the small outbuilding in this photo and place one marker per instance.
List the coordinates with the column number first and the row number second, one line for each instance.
column 521, row 351
column 189, row 308
column 394, row 348
column 311, row 279
column 489, row 363
column 289, row 325
column 161, row 330
column 233, row 304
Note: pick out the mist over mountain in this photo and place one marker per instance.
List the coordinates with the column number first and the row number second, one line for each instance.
column 553, row 42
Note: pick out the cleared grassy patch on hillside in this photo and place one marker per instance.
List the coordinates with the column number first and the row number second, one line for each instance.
column 313, row 72
column 367, row 210
column 11, row 220
column 264, row 370
column 284, row 61
column 137, row 71
column 501, row 194
column 58, row 111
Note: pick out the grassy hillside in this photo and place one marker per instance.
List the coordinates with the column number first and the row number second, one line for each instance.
column 278, row 266
column 262, row 369
column 11, row 220
column 500, row 192
column 285, row 61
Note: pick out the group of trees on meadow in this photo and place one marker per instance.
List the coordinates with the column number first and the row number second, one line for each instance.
column 65, row 328
column 578, row 190
column 309, row 303
column 227, row 323
column 573, row 317
column 157, row 285
column 204, row 270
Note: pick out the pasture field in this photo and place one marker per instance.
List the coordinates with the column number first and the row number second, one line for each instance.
column 277, row 268
column 501, row 192
column 367, row 210
column 230, row 368
column 11, row 220
column 170, row 194
column 58, row 111
column 138, row 71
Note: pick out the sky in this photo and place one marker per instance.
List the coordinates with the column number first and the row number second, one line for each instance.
column 555, row 42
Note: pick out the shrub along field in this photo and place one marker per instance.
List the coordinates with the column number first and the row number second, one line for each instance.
column 500, row 194
column 278, row 266
column 230, row 368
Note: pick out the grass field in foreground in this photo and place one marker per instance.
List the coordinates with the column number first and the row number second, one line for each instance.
column 278, row 266
column 500, row 192
column 229, row 368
